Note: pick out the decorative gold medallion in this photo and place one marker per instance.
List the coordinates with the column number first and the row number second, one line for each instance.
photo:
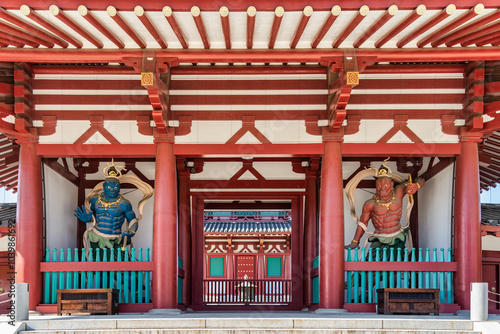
column 353, row 78
column 147, row 78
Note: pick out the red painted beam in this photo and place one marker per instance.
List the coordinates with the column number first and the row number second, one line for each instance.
column 167, row 12
column 30, row 13
column 95, row 266
column 16, row 32
column 115, row 15
column 417, row 12
column 58, row 13
column 330, row 19
column 31, row 28
column 87, row 15
column 278, row 17
column 389, row 13
column 245, row 85
column 198, row 21
column 96, row 151
column 247, row 184
column 265, row 56
column 479, row 23
column 485, row 40
column 356, row 20
column 306, row 15
column 402, row 266
column 400, row 150
column 146, row 21
column 226, row 30
column 445, row 13
column 251, row 13
column 7, row 40
column 107, row 69
column 91, row 99
column 471, row 13
column 469, row 38
column 269, row 5
column 176, row 100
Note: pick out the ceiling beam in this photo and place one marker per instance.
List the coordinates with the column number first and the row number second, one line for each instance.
column 30, row 27
column 467, row 29
column 146, row 21
column 412, row 17
column 251, row 13
column 70, row 56
column 16, row 32
column 306, row 15
column 30, row 13
column 87, row 15
column 226, row 30
column 167, row 12
column 355, row 21
column 58, row 13
column 471, row 13
column 278, row 17
column 469, row 38
column 389, row 13
column 115, row 15
column 443, row 15
column 330, row 19
column 7, row 39
column 198, row 21
column 242, row 5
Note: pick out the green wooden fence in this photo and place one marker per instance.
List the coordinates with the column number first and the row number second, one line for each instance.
column 370, row 269
column 362, row 285
column 134, row 286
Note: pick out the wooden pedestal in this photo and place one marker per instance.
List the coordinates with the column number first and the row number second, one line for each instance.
column 408, row 301
column 93, row 301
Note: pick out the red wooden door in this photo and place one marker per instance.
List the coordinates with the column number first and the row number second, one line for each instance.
column 490, row 276
column 4, row 288
column 245, row 265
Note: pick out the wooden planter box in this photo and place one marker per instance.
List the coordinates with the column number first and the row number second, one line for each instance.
column 93, row 301
column 408, row 301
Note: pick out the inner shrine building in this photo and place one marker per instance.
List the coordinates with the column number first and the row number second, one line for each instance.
column 252, row 122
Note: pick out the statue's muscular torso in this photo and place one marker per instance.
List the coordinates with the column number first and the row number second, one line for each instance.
column 385, row 218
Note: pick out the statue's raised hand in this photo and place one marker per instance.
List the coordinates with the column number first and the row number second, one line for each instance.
column 83, row 215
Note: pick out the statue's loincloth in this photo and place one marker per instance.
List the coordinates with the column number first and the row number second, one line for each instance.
column 395, row 241
column 105, row 241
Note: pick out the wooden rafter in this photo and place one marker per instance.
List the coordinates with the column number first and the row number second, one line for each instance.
column 412, row 17
column 383, row 19
column 306, row 15
column 278, row 17
column 16, row 32
column 443, row 15
column 167, row 12
column 198, row 20
column 330, row 19
column 148, row 24
column 115, row 15
column 356, row 20
column 63, row 17
column 226, row 30
column 30, row 13
column 87, row 15
column 251, row 13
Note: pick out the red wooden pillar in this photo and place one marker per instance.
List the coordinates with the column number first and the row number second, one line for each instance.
column 29, row 233
column 310, row 228
column 165, row 229
column 185, row 230
column 467, row 221
column 331, row 237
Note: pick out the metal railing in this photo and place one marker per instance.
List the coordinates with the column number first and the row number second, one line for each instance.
column 247, row 292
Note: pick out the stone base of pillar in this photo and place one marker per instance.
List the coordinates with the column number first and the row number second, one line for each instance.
column 165, row 311
column 330, row 311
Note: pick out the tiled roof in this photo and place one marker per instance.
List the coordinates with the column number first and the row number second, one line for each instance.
column 490, row 214
column 247, row 227
column 7, row 212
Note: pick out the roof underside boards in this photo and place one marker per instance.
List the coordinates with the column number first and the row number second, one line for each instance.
column 210, row 25
column 221, row 78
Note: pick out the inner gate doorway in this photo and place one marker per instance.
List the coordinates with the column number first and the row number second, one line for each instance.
column 248, row 259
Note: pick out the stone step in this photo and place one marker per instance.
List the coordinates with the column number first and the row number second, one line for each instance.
column 250, row 325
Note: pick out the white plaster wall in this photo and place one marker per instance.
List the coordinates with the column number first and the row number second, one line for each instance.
column 371, row 130
column 435, row 211
column 67, row 132
column 61, row 199
column 491, row 243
